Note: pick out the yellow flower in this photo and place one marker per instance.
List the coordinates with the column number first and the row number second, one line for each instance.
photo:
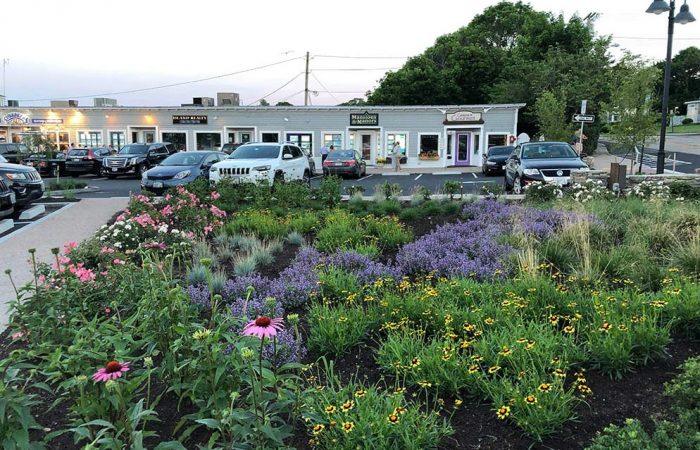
column 494, row 369
column 489, row 321
column 545, row 387
column 348, row 426
column 342, row 319
column 522, row 340
column 201, row 334
column 318, row 429
column 530, row 400
column 605, row 327
column 393, row 419
column 360, row 393
column 415, row 362
column 458, row 403
column 347, row 406
column 530, row 345
column 569, row 329
column 425, row 384
column 503, row 412
column 560, row 373
column 399, row 410
column 399, row 390
column 473, row 369
column 505, row 351
column 330, row 409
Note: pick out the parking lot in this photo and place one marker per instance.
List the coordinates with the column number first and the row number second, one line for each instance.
column 50, row 207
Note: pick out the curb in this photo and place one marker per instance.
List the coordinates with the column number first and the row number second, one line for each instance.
column 85, row 190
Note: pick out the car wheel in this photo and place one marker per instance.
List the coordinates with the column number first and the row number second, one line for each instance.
column 517, row 186
column 140, row 169
column 279, row 179
column 506, row 187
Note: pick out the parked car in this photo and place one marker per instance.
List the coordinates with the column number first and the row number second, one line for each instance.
column 550, row 162
column 310, row 157
column 494, row 159
column 229, row 147
column 345, row 162
column 178, row 169
column 8, row 198
column 268, row 161
column 13, row 152
column 80, row 161
column 2, row 159
column 47, row 165
column 24, row 181
column 135, row 159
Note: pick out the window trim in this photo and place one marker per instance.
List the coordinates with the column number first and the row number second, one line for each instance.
column 408, row 142
column 77, row 135
column 339, row 132
column 495, row 133
column 210, row 131
column 279, row 136
column 171, row 130
column 420, row 135
column 313, row 139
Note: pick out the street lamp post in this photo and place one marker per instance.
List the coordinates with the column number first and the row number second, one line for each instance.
column 684, row 16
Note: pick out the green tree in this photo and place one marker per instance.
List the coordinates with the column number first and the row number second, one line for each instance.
column 685, row 78
column 283, row 104
column 550, row 111
column 264, row 102
column 632, row 102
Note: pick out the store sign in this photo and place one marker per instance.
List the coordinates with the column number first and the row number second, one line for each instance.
column 365, row 119
column 47, row 121
column 463, row 117
column 15, row 118
column 190, row 120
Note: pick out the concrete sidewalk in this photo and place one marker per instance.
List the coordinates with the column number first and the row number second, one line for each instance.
column 76, row 222
column 602, row 160
column 453, row 170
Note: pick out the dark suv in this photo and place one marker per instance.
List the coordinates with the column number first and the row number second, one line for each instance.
column 24, row 181
column 7, row 200
column 86, row 160
column 13, row 153
column 135, row 159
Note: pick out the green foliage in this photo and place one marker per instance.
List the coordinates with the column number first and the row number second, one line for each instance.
column 335, row 329
column 451, row 188
column 492, row 189
column 685, row 84
column 65, row 184
column 261, row 223
column 550, row 111
column 685, row 190
column 16, row 419
column 387, row 191
column 329, row 191
column 342, row 230
column 539, row 192
column 630, row 436
column 687, row 121
column 355, row 190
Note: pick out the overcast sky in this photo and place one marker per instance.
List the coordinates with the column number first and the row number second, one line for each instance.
column 73, row 48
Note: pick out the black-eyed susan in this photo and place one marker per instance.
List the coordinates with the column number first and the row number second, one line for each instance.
column 360, row 393
column 676, row 291
column 605, row 327
column 347, row 406
column 569, row 329
column 503, row 412
column 473, row 369
column 399, row 390
column 559, row 373
column 415, row 362
column 425, row 384
column 464, row 344
column 348, row 426
column 530, row 345
column 342, row 319
column 330, row 409
column 522, row 340
column 622, row 327
column 318, row 429
column 400, row 410
column 489, row 321
column 553, row 319
column 332, row 424
column 494, row 369
column 393, row 419
column 530, row 400
column 505, row 351
column 544, row 387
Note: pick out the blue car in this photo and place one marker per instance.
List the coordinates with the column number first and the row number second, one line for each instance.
column 179, row 169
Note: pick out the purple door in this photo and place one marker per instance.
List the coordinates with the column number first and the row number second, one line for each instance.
column 462, row 149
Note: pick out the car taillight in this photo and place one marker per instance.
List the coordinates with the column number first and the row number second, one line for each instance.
column 327, row 163
column 349, row 163
column 89, row 157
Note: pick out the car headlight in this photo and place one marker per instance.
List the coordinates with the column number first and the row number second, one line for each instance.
column 531, row 171
column 133, row 161
column 16, row 176
column 183, row 174
column 213, row 169
column 490, row 163
column 261, row 168
column 144, row 176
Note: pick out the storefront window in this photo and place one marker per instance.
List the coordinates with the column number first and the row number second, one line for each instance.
column 117, row 139
column 90, row 138
column 334, row 139
column 497, row 139
column 208, row 141
column 428, row 148
column 477, row 142
column 303, row 140
column 270, row 137
column 178, row 139
column 394, row 137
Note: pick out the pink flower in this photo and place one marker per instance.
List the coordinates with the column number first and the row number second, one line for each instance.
column 19, row 335
column 111, row 371
column 69, row 246
column 216, row 211
column 215, row 195
column 63, row 260
column 106, row 250
column 41, row 279
column 84, row 274
column 167, row 211
column 208, row 229
column 263, row 327
column 158, row 245
column 118, row 262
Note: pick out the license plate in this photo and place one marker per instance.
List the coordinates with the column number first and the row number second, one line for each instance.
column 114, row 169
column 157, row 184
column 561, row 181
column 76, row 159
column 337, row 164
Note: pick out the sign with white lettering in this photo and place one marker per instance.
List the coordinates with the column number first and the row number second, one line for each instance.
column 366, row 119
column 47, row 121
column 463, row 117
column 15, row 118
column 190, row 120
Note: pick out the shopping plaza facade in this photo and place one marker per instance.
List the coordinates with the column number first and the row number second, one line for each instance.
column 429, row 136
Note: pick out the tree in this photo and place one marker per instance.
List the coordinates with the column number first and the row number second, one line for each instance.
column 283, row 104
column 264, row 102
column 354, row 102
column 632, row 103
column 550, row 111
column 685, row 78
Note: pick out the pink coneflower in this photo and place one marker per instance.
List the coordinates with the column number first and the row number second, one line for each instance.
column 263, row 327
column 118, row 262
column 111, row 371
column 215, row 195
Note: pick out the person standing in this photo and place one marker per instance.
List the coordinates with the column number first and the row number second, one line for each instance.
column 324, row 154
column 396, row 156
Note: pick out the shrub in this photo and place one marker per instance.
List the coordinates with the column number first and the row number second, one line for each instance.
column 328, row 192
column 629, row 436
column 304, row 222
column 590, row 190
column 409, row 215
column 684, row 190
column 295, row 238
column 420, row 194
column 655, row 191
column 687, row 121
column 451, row 188
column 355, row 190
column 539, row 192
column 492, row 189
column 684, row 390
column 387, row 190
column 261, row 223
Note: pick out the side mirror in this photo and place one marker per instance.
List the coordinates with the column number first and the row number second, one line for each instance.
column 287, row 156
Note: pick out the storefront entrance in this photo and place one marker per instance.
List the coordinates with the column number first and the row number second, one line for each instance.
column 462, row 148
column 366, row 142
column 143, row 135
column 239, row 135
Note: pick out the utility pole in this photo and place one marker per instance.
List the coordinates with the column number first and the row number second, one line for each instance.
column 5, row 62
column 306, row 82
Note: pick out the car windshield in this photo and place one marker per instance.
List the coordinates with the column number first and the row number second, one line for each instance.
column 133, row 149
column 183, row 159
column 501, row 151
column 255, row 151
column 78, row 153
column 341, row 154
column 548, row 150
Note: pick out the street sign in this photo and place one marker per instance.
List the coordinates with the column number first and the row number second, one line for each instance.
column 584, row 118
column 584, row 103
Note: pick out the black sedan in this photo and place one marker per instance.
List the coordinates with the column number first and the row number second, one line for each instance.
column 345, row 162
column 81, row 161
column 24, row 181
column 549, row 162
column 494, row 160
column 180, row 168
column 8, row 199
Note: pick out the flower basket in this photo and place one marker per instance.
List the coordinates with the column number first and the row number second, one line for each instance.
column 429, row 156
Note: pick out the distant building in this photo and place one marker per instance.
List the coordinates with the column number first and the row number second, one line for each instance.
column 101, row 102
column 694, row 110
column 200, row 101
column 64, row 103
column 13, row 103
column 227, row 99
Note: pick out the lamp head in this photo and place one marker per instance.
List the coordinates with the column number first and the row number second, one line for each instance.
column 658, row 7
column 684, row 16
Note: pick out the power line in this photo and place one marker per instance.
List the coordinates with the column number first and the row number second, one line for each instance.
column 361, row 57
column 324, row 87
column 168, row 85
column 278, row 89
column 357, row 69
column 645, row 38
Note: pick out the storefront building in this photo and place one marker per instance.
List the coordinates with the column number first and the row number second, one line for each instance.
column 429, row 136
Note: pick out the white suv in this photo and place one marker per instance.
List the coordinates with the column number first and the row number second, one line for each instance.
column 255, row 162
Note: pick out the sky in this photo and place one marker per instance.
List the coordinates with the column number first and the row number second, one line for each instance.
column 78, row 49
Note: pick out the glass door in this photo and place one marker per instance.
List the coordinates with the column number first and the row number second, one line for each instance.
column 366, row 148
column 463, row 141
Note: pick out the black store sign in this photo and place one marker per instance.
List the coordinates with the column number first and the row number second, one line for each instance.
column 190, row 120
column 365, row 119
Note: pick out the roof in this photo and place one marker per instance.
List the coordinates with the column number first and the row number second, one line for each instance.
column 692, row 102
column 441, row 108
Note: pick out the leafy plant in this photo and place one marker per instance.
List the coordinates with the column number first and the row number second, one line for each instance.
column 335, row 329
column 451, row 188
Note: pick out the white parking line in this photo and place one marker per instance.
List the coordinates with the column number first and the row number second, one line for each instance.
column 475, row 182
column 448, row 173
column 474, row 175
column 420, row 175
column 365, row 177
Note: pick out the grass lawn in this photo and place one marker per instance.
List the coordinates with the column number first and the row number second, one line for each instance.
column 691, row 128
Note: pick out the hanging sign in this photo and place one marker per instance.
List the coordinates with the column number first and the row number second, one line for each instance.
column 190, row 119
column 365, row 119
column 15, row 118
column 47, row 121
column 463, row 117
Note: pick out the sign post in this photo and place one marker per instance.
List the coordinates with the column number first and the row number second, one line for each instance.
column 582, row 118
column 584, row 104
